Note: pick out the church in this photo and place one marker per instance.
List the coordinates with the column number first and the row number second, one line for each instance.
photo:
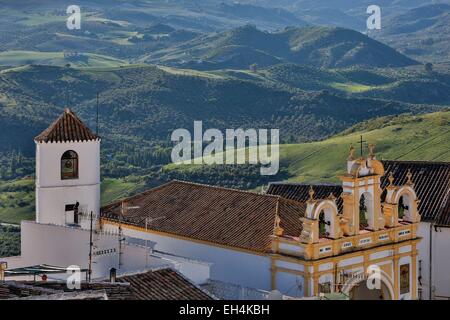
column 303, row 241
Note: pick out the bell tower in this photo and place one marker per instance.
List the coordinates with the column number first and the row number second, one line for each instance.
column 361, row 188
column 67, row 172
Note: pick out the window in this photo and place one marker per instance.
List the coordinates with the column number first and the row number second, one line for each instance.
column 404, row 278
column 69, row 165
column 72, row 214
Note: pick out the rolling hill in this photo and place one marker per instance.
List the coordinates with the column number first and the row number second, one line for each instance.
column 422, row 33
column 411, row 84
column 18, row 58
column 313, row 46
column 404, row 137
column 146, row 103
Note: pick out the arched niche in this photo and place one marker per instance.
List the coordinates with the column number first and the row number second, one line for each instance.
column 366, row 210
column 69, row 165
column 406, row 196
column 409, row 199
column 326, row 213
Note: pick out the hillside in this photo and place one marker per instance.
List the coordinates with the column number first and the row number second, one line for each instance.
column 142, row 105
column 422, row 33
column 404, row 137
column 18, row 58
column 314, row 46
column 412, row 84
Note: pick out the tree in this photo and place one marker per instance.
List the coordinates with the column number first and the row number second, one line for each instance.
column 428, row 67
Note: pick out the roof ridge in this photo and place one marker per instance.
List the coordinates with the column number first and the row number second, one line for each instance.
column 325, row 184
column 143, row 193
column 417, row 162
column 67, row 127
column 224, row 188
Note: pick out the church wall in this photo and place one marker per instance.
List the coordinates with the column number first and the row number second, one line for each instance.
column 227, row 265
column 51, row 202
column 441, row 258
column 442, row 261
column 53, row 193
column 49, row 155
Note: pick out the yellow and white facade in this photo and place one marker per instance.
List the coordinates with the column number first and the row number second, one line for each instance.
column 350, row 257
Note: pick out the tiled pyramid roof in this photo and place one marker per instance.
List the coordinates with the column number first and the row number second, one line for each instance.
column 67, row 128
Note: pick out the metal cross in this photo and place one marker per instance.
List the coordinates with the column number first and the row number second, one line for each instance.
column 361, row 142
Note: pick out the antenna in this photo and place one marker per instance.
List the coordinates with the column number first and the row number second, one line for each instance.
column 124, row 208
column 90, row 249
column 67, row 97
column 97, row 116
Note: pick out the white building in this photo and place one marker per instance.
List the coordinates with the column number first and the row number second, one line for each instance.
column 67, row 197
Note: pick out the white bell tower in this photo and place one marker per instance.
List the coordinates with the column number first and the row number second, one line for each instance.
column 67, row 172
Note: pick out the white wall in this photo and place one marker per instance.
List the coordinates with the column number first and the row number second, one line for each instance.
column 66, row 246
column 423, row 259
column 48, row 163
column 249, row 270
column 440, row 261
column 51, row 202
column 52, row 193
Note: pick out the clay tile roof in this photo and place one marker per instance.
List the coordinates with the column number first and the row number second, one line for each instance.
column 217, row 215
column 157, row 284
column 68, row 127
column 300, row 191
column 164, row 284
column 49, row 289
column 431, row 182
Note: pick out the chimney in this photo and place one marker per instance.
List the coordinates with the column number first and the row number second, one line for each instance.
column 112, row 275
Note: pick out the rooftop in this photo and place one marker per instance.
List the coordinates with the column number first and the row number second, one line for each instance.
column 156, row 284
column 67, row 128
column 217, row 215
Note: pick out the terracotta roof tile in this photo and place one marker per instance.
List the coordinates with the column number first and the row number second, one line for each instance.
column 68, row 127
column 223, row 216
column 164, row 284
column 160, row 284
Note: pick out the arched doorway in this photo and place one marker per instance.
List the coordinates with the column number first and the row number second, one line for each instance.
column 356, row 287
column 360, row 291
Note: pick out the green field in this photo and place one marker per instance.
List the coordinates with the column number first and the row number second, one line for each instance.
column 403, row 137
column 18, row 58
column 396, row 138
